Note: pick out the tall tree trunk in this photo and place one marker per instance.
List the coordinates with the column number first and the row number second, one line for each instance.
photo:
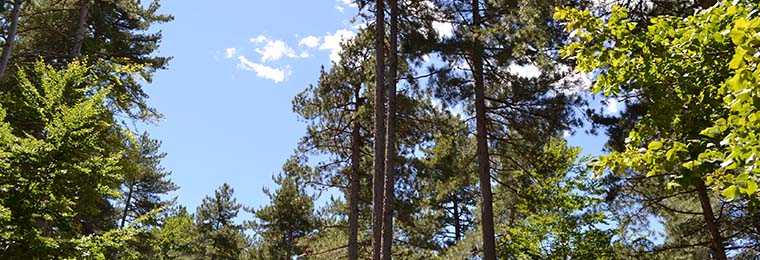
column 84, row 6
column 353, row 193
column 390, row 145
column 486, row 198
column 716, row 241
column 379, row 146
column 10, row 39
column 126, row 205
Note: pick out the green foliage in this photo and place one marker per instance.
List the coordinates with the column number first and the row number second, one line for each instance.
column 57, row 169
column 554, row 214
column 176, row 236
column 120, row 41
column 218, row 235
column 145, row 180
column 696, row 73
column 290, row 217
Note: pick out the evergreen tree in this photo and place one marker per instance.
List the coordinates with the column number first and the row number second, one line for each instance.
column 378, row 150
column 145, row 180
column 218, row 235
column 283, row 223
column 337, row 113
column 113, row 34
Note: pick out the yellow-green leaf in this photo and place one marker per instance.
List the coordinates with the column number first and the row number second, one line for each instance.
column 730, row 192
column 655, row 145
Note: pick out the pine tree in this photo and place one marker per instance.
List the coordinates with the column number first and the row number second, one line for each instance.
column 112, row 35
column 218, row 235
column 290, row 217
column 378, row 153
column 336, row 109
column 145, row 180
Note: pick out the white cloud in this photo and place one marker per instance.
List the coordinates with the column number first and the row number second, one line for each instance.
column 339, row 8
column 230, row 52
column 613, row 106
column 349, row 3
column 309, row 41
column 566, row 133
column 262, row 71
column 332, row 42
column 259, row 39
column 274, row 50
column 443, row 29
column 526, row 71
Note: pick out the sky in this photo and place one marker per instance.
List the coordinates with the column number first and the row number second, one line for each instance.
column 226, row 96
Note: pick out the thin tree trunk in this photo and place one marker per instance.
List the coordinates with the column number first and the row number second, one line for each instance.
column 379, row 146
column 126, row 205
column 84, row 6
column 390, row 145
column 457, row 224
column 10, row 39
column 353, row 193
column 707, row 212
column 486, row 201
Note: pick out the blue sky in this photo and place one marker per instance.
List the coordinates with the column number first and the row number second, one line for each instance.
column 225, row 121
column 226, row 96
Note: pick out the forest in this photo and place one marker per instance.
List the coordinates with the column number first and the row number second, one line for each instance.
column 417, row 145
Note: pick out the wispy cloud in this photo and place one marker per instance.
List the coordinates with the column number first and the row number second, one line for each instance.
column 333, row 40
column 230, row 52
column 259, row 39
column 349, row 3
column 340, row 8
column 271, row 50
column 309, row 41
column 263, row 71
column 275, row 50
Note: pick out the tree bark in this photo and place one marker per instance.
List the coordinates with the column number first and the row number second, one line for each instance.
column 390, row 145
column 716, row 240
column 379, row 146
column 486, row 198
column 126, row 205
column 84, row 6
column 353, row 196
column 457, row 220
column 10, row 39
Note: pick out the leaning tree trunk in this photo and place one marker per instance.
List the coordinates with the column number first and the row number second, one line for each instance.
column 379, row 146
column 486, row 198
column 390, row 145
column 126, row 205
column 10, row 39
column 716, row 239
column 353, row 188
column 84, row 6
